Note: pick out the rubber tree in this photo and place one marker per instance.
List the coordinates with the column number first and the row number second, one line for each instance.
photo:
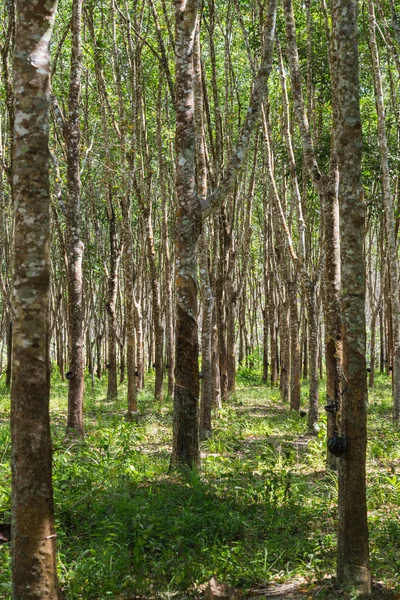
column 34, row 573
column 353, row 555
column 74, row 243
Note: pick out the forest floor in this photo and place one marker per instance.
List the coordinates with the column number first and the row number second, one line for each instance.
column 261, row 515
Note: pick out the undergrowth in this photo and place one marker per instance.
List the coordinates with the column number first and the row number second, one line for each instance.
column 262, row 509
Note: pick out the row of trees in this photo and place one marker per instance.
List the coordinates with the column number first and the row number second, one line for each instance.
column 201, row 162
column 270, row 256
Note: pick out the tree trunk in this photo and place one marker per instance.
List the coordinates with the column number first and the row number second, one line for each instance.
column 295, row 383
column 273, row 341
column 353, row 567
column 9, row 349
column 333, row 340
column 285, row 358
column 112, row 386
column 185, row 449
column 371, row 378
column 74, row 243
column 312, row 312
column 129, row 278
column 34, row 573
column 155, row 291
column 206, row 335
column 204, row 275
column 168, row 275
column 215, row 375
column 231, row 341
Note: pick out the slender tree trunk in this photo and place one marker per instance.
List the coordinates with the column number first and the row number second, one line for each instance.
column 155, row 291
column 231, row 341
column 353, row 555
column 206, row 336
column 273, row 341
column 215, row 375
column 371, row 378
column 112, row 387
column 99, row 338
column 285, row 358
column 333, row 339
column 206, row 291
column 295, row 383
column 139, row 346
column 220, row 298
column 34, row 573
column 266, row 290
column 129, row 278
column 312, row 336
column 74, row 243
column 9, row 350
column 166, row 250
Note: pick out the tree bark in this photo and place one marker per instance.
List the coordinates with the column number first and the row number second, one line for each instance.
column 185, row 449
column 34, row 573
column 353, row 555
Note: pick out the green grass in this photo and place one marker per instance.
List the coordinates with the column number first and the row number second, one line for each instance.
column 262, row 509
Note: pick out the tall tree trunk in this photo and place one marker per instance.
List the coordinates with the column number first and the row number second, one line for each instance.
column 74, row 243
column 129, row 278
column 204, row 275
column 34, row 573
column 166, row 250
column 353, row 567
column 185, row 449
